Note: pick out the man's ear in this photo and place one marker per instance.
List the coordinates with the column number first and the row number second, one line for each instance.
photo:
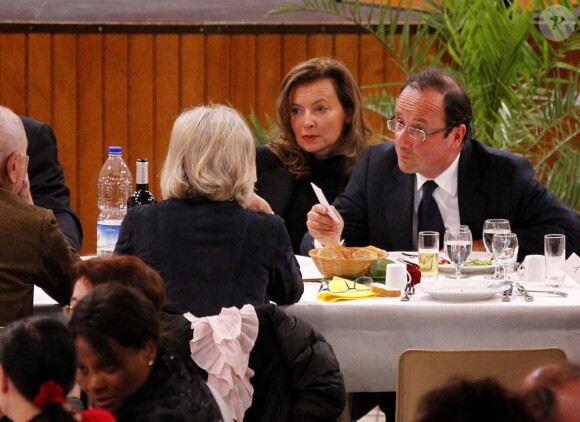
column 11, row 168
column 459, row 134
column 3, row 380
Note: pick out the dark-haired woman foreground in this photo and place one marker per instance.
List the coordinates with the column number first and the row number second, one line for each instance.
column 123, row 367
column 37, row 369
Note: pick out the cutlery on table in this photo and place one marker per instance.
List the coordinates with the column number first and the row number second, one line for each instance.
column 550, row 292
column 506, row 296
column 405, row 297
column 527, row 297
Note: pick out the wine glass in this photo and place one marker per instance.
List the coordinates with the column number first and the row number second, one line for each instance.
column 505, row 250
column 491, row 227
column 458, row 243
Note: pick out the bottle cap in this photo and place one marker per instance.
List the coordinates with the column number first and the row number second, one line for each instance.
column 115, row 150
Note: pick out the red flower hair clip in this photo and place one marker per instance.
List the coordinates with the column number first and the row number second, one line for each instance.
column 50, row 392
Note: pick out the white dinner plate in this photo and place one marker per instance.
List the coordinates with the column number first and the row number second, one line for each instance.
column 464, row 290
column 468, row 269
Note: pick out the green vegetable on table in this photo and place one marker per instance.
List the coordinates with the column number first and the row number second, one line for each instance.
column 478, row 262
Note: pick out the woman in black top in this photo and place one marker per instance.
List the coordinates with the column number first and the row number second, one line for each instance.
column 210, row 250
column 322, row 134
column 123, row 367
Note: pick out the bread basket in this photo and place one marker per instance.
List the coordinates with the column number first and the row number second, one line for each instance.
column 330, row 267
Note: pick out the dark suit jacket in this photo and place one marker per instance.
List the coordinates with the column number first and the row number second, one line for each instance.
column 32, row 251
column 47, row 184
column 213, row 254
column 276, row 185
column 377, row 204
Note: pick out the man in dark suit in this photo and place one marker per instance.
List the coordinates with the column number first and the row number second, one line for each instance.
column 470, row 183
column 46, row 176
column 381, row 203
column 32, row 248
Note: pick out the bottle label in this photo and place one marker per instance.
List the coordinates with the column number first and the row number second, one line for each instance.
column 107, row 235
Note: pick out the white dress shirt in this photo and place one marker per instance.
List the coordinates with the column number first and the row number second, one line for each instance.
column 445, row 196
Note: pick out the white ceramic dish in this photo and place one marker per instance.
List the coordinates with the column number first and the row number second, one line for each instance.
column 464, row 290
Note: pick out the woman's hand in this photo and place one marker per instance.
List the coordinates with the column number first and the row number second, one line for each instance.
column 257, row 203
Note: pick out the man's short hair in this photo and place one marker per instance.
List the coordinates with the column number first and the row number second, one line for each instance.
column 456, row 101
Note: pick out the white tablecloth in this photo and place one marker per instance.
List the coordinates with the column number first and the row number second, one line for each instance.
column 368, row 335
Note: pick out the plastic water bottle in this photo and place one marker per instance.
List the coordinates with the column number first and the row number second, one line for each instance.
column 114, row 185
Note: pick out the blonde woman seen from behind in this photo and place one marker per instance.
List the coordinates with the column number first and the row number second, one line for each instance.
column 210, row 250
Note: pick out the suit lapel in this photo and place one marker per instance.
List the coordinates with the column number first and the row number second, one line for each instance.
column 471, row 200
column 399, row 197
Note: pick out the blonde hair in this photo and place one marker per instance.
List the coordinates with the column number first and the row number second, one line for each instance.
column 211, row 155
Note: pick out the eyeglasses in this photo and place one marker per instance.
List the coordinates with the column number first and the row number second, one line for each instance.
column 67, row 310
column 415, row 133
column 361, row 284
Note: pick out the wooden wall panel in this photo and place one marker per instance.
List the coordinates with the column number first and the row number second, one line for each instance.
column 13, row 74
column 166, row 105
column 269, row 69
column 115, row 92
column 64, row 113
column 244, row 73
column 346, row 50
column 192, row 71
column 371, row 71
column 99, row 90
column 141, row 97
column 90, row 131
column 38, row 92
column 320, row 45
column 218, row 67
column 294, row 51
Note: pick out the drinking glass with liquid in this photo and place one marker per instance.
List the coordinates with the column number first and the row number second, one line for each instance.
column 458, row 244
column 428, row 243
column 492, row 227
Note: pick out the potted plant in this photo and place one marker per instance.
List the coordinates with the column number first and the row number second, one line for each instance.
column 525, row 88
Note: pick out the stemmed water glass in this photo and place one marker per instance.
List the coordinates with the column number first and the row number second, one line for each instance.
column 505, row 248
column 490, row 227
column 458, row 243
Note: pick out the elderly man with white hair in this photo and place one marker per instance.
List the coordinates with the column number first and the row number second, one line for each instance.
column 32, row 248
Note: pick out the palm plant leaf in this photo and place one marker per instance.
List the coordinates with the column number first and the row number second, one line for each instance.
column 526, row 96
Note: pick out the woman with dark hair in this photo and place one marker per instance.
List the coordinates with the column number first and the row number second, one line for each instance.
column 132, row 272
column 122, row 367
column 461, row 400
column 322, row 134
column 37, row 369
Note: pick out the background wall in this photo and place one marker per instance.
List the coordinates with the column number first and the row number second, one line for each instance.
column 101, row 89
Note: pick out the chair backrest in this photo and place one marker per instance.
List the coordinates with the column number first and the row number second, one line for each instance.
column 420, row 371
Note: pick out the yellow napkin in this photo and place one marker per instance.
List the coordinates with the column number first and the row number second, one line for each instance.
column 337, row 284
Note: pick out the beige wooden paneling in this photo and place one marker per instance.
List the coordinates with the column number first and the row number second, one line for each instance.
column 98, row 90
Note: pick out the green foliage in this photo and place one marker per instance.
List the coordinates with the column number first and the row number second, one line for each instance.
column 526, row 97
column 261, row 133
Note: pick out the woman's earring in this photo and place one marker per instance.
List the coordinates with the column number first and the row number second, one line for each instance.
column 150, row 363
